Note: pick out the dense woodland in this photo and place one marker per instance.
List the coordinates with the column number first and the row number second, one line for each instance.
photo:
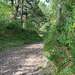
column 28, row 21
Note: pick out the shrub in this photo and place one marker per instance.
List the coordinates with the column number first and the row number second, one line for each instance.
column 13, row 25
column 29, row 25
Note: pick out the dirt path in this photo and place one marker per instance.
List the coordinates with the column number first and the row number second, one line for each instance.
column 24, row 60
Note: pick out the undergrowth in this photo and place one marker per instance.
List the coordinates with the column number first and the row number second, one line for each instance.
column 64, row 61
column 13, row 35
column 60, row 43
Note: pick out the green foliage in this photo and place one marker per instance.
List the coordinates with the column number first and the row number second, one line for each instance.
column 11, row 32
column 13, row 25
column 30, row 25
column 14, row 38
column 61, row 35
column 4, row 16
column 58, row 31
column 60, row 27
column 25, row 12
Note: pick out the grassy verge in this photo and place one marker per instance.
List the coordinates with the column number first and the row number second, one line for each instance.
column 13, row 38
column 64, row 61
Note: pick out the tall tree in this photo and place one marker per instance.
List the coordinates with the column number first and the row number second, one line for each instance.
column 12, row 2
column 21, row 12
column 16, row 10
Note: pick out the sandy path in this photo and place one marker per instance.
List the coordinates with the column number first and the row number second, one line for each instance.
column 23, row 60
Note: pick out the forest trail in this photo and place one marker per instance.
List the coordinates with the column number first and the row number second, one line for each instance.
column 23, row 60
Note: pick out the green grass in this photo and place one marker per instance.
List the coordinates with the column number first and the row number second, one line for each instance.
column 65, row 62
column 13, row 38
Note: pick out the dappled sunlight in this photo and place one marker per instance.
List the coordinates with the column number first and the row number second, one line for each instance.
column 37, row 37
column 35, row 46
column 23, row 60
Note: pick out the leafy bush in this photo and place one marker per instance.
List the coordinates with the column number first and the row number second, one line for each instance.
column 29, row 25
column 13, row 25
column 3, row 23
column 60, row 36
column 4, row 16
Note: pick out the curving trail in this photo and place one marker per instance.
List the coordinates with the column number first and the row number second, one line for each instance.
column 23, row 60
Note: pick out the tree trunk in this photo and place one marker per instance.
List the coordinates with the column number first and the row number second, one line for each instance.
column 12, row 2
column 58, row 11
column 16, row 11
column 22, row 12
column 26, row 14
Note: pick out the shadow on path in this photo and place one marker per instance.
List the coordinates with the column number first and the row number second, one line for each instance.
column 23, row 60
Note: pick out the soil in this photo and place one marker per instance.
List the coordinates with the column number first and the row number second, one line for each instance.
column 24, row 60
